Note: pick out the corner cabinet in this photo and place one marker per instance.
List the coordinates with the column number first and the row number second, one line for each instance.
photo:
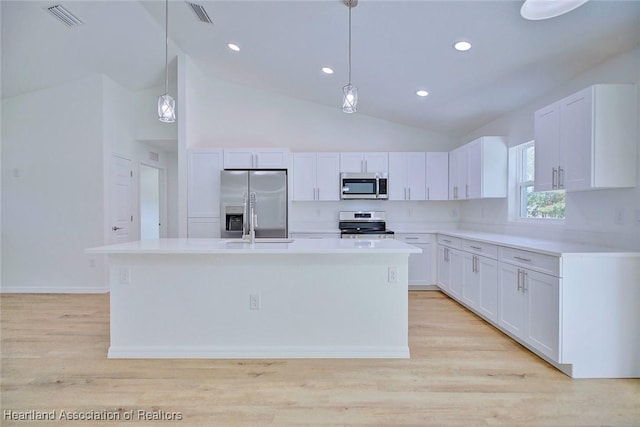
column 256, row 158
column 316, row 176
column 588, row 140
column 421, row 273
column 478, row 170
column 203, row 193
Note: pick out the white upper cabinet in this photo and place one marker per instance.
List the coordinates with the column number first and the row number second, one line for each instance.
column 316, row 176
column 203, row 183
column 588, row 140
column 478, row 169
column 407, row 176
column 364, row 162
column 256, row 158
column 437, row 176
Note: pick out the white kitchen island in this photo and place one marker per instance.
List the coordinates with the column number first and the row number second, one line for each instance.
column 215, row 298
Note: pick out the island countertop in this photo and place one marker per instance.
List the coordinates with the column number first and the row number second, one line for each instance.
column 238, row 246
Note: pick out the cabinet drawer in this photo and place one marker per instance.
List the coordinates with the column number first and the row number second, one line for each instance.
column 452, row 242
column 413, row 238
column 543, row 263
column 480, row 248
column 317, row 235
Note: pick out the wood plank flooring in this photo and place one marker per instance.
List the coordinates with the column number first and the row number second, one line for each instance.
column 462, row 372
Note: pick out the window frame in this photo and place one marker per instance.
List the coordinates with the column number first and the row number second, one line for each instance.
column 521, row 186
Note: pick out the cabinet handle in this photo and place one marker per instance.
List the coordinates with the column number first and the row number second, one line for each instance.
column 560, row 177
column 446, row 240
column 466, row 191
column 475, row 264
column 409, row 193
column 477, row 248
column 428, row 196
column 525, row 276
column 522, row 259
column 405, row 193
column 411, row 238
column 554, row 178
column 446, row 254
column 519, row 280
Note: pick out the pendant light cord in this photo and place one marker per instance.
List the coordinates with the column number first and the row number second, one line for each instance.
column 166, row 47
column 350, row 7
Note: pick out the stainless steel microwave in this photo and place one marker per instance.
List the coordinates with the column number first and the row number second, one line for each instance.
column 364, row 185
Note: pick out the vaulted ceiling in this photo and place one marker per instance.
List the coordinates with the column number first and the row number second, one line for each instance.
column 398, row 48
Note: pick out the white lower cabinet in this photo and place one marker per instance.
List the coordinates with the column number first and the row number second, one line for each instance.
column 450, row 271
column 420, row 270
column 529, row 306
column 480, row 284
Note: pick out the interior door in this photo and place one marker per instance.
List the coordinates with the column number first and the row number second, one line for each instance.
column 121, row 214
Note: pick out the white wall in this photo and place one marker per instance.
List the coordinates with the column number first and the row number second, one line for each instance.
column 52, row 188
column 590, row 215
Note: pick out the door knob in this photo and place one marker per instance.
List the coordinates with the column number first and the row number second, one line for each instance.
column 116, row 228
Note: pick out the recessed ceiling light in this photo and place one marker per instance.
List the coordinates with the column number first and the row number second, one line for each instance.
column 462, row 46
column 234, row 47
column 327, row 70
column 422, row 93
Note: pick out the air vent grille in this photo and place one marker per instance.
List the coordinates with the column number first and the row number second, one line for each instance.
column 200, row 12
column 64, row 16
column 154, row 156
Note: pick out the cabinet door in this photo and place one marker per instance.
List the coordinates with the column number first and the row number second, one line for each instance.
column 398, row 176
column 271, row 158
column 376, row 162
column 328, row 176
column 512, row 303
column 240, row 158
column 455, row 273
column 443, row 268
column 416, row 176
column 470, row 280
column 473, row 185
column 304, row 176
column 576, row 136
column 437, row 176
column 203, row 228
column 351, row 162
column 454, row 174
column 203, row 183
column 547, row 142
column 543, row 294
column 488, row 288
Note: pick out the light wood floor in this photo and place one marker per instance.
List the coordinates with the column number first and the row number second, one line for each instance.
column 461, row 372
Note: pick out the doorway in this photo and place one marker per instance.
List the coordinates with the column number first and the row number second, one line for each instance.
column 151, row 203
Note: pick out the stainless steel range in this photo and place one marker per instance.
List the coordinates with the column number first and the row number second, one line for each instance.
column 364, row 225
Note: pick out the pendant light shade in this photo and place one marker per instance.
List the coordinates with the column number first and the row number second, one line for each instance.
column 349, row 91
column 350, row 98
column 544, row 9
column 166, row 103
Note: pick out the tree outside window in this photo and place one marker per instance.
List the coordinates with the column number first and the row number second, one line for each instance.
column 540, row 204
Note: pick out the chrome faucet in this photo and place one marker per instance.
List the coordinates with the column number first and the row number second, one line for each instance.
column 252, row 218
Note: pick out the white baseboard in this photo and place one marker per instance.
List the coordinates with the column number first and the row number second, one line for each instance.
column 275, row 352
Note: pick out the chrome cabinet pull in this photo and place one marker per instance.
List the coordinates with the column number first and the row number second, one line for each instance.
column 522, row 259
column 466, row 191
column 560, row 177
column 554, row 178
column 428, row 196
column 477, row 248
column 519, row 281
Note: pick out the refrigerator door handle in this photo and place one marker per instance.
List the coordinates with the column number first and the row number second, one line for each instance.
column 245, row 215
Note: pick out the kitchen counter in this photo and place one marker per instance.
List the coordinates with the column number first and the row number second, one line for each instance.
column 548, row 247
column 267, row 246
column 216, row 298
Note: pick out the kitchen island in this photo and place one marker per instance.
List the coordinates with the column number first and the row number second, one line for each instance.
column 217, row 298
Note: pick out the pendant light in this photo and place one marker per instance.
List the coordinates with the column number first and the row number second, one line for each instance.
column 350, row 92
column 166, row 103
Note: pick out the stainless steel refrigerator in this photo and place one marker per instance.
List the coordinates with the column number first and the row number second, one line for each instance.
column 270, row 190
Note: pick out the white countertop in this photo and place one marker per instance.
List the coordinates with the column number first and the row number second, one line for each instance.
column 548, row 247
column 237, row 246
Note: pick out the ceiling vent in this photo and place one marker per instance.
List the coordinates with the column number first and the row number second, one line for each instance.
column 64, row 16
column 200, row 12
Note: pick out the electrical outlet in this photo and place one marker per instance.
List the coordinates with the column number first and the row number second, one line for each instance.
column 124, row 276
column 393, row 274
column 254, row 301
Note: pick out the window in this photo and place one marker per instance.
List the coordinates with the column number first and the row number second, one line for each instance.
column 532, row 204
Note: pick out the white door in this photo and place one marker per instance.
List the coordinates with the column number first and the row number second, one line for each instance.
column 304, row 176
column 376, row 162
column 547, row 134
column 416, row 176
column 512, row 303
column 443, row 268
column 328, row 176
column 473, row 187
column 437, row 176
column 121, row 214
column 398, row 176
